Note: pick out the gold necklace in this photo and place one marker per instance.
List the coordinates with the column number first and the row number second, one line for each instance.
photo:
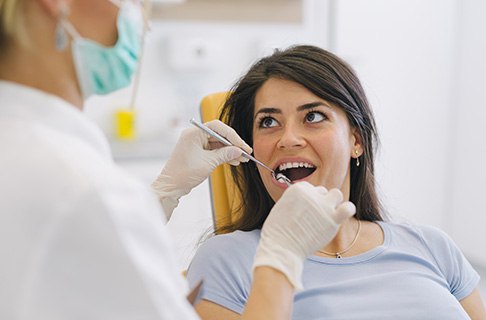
column 338, row 255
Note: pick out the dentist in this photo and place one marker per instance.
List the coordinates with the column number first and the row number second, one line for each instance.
column 80, row 239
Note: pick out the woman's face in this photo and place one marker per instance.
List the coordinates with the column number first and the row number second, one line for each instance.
column 303, row 136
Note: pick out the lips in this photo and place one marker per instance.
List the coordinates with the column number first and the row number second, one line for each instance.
column 295, row 170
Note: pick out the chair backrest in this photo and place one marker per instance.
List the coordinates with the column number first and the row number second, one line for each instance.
column 224, row 198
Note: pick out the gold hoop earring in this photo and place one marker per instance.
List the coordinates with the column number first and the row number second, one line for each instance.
column 357, row 158
column 61, row 38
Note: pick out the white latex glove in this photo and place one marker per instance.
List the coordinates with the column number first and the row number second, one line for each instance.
column 303, row 220
column 194, row 157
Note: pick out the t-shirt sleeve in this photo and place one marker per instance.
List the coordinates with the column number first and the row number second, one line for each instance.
column 224, row 265
column 460, row 275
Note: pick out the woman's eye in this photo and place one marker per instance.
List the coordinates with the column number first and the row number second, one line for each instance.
column 314, row 117
column 268, row 122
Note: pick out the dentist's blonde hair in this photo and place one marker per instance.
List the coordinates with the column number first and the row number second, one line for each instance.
column 11, row 25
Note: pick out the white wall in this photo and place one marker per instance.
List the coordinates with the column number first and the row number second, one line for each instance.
column 469, row 175
column 423, row 65
column 403, row 53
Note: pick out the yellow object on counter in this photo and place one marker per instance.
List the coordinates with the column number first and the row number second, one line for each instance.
column 125, row 124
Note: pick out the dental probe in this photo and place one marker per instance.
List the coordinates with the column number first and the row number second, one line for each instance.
column 279, row 177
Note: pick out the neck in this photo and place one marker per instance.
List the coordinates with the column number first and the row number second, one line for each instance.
column 31, row 71
column 344, row 238
column 39, row 65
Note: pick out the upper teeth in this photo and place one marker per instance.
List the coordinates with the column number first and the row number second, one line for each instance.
column 289, row 165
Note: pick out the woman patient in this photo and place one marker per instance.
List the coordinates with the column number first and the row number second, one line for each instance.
column 306, row 114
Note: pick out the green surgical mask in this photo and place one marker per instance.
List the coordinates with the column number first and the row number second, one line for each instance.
column 102, row 70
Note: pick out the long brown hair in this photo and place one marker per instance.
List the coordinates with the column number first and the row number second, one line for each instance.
column 331, row 79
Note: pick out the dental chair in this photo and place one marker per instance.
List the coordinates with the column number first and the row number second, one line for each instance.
column 225, row 200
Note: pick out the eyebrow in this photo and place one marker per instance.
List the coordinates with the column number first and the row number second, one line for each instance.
column 300, row 108
column 311, row 105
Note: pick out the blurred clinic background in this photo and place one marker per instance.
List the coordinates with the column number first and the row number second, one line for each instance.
column 423, row 65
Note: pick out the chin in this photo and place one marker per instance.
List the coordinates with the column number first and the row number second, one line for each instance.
column 274, row 192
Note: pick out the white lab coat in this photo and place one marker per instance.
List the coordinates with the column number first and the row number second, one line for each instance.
column 79, row 239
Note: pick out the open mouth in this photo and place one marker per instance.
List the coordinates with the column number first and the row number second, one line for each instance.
column 295, row 170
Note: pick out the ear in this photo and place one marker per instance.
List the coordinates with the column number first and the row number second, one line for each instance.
column 357, row 142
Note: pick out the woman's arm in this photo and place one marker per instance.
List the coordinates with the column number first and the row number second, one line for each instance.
column 474, row 306
column 208, row 310
column 271, row 297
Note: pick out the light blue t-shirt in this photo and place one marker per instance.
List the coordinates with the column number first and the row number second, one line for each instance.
column 418, row 273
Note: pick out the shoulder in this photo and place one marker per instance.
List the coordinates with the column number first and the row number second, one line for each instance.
column 226, row 253
column 235, row 246
column 427, row 241
column 429, row 236
column 246, row 240
column 48, row 162
column 224, row 263
column 62, row 176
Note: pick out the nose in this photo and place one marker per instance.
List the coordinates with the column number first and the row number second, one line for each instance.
column 291, row 138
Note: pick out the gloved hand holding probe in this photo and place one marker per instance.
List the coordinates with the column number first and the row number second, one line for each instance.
column 303, row 220
column 194, row 157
